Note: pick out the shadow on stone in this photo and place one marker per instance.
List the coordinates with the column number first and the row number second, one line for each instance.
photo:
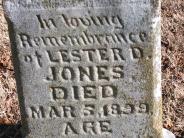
column 10, row 131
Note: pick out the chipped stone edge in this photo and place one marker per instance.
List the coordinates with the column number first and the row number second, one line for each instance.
column 156, row 42
column 7, row 8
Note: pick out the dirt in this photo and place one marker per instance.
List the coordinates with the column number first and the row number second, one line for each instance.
column 173, row 65
column 9, row 111
column 172, row 77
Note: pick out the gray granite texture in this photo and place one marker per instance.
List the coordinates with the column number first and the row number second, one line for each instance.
column 87, row 68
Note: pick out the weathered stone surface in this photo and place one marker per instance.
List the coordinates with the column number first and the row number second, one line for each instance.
column 87, row 68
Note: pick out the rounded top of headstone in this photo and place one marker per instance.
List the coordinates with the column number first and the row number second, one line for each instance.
column 55, row 4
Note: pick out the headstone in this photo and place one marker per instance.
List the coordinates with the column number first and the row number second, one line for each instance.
column 87, row 68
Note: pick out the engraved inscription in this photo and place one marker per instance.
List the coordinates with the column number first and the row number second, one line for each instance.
column 46, row 23
column 87, row 92
column 74, row 22
column 84, row 39
column 41, row 112
column 83, row 63
column 88, row 110
column 69, row 129
column 90, row 74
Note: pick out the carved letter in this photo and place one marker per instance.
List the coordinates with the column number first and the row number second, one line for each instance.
column 105, row 127
column 136, row 53
column 69, row 129
column 89, row 110
column 109, row 91
column 37, row 112
column 89, row 92
column 46, row 24
column 89, row 128
column 59, row 93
